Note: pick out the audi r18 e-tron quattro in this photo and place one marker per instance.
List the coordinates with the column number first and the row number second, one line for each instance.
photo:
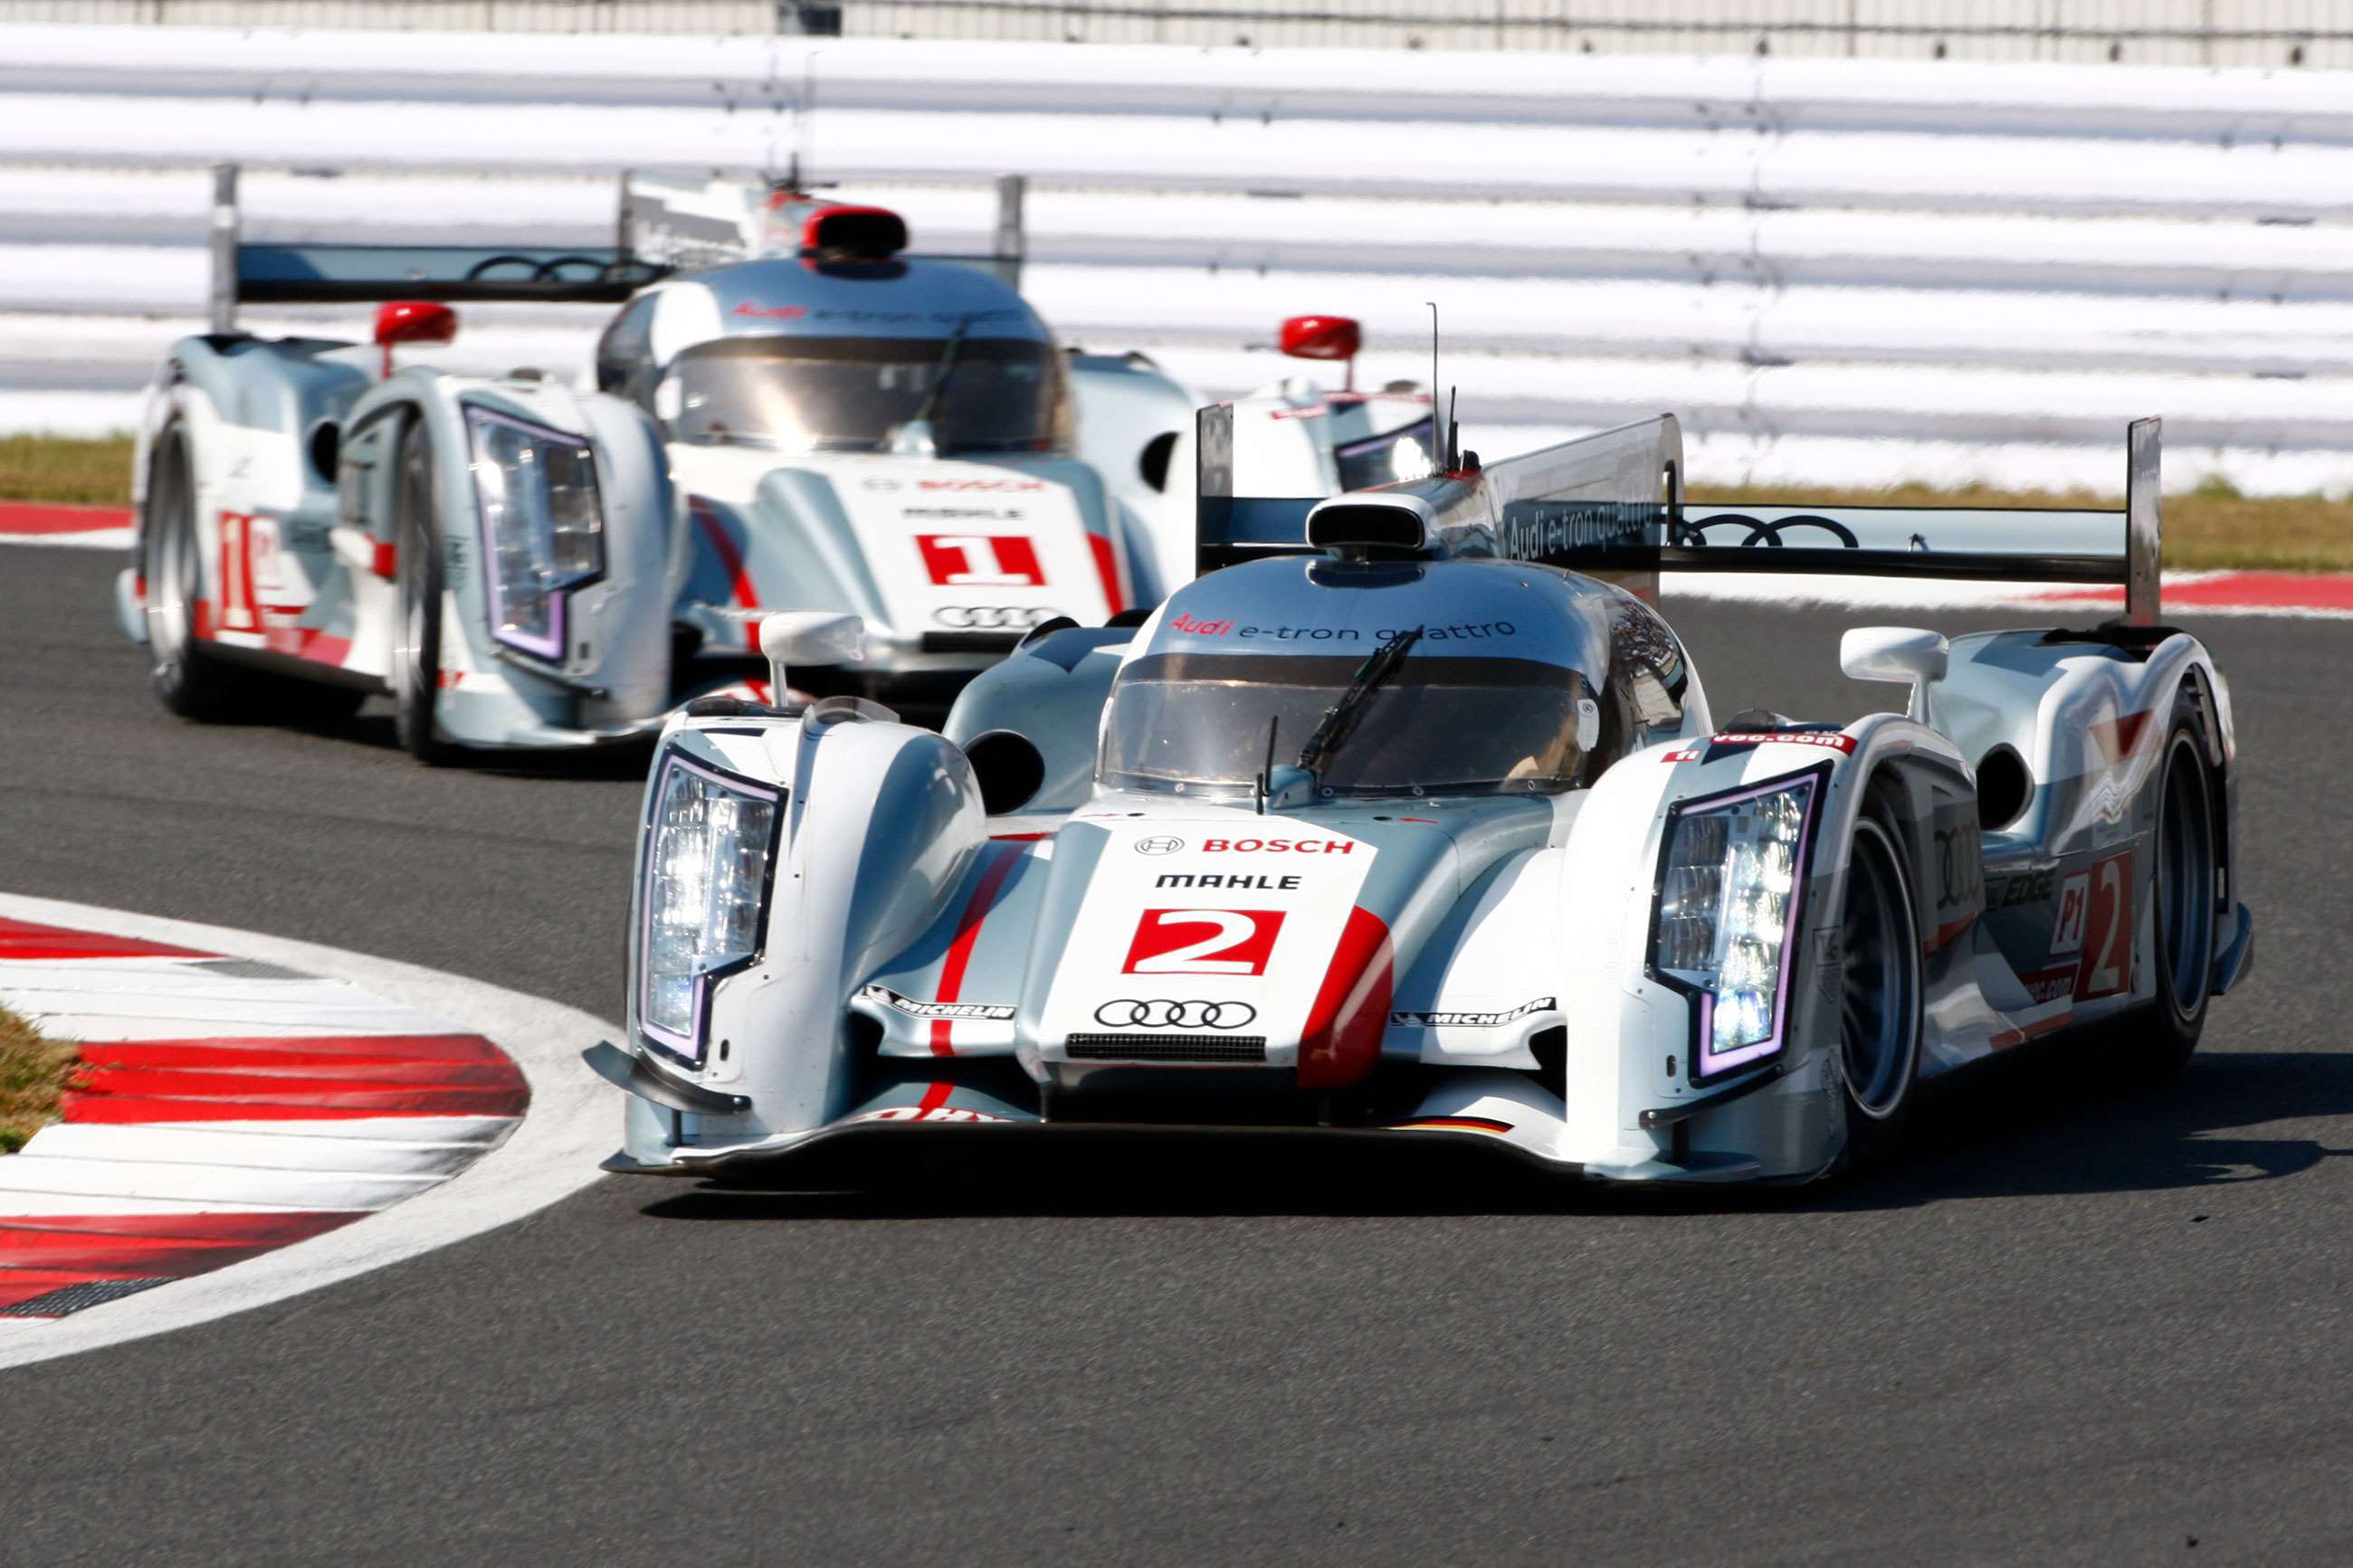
column 790, row 412
column 1406, row 821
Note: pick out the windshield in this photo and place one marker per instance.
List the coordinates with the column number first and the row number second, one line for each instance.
column 1385, row 459
column 1438, row 725
column 846, row 394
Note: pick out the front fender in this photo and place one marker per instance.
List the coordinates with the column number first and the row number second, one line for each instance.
column 614, row 670
column 1632, row 1108
column 881, row 821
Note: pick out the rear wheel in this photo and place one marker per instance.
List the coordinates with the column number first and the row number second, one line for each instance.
column 1880, row 999
column 2162, row 1039
column 416, row 634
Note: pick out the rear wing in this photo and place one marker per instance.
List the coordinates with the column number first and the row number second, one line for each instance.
column 693, row 220
column 1544, row 509
column 1611, row 505
column 667, row 223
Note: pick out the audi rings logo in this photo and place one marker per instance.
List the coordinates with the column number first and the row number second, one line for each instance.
column 994, row 617
column 1124, row 1013
column 1768, row 531
column 1158, row 845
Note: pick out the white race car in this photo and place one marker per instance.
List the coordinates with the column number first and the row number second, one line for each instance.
column 791, row 413
column 1408, row 826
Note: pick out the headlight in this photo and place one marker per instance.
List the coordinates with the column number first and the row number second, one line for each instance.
column 710, row 841
column 543, row 526
column 1726, row 917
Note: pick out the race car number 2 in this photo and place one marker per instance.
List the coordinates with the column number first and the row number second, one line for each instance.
column 2096, row 918
column 1202, row 941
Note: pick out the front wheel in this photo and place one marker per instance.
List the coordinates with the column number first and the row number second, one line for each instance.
column 416, row 634
column 188, row 679
column 1880, row 998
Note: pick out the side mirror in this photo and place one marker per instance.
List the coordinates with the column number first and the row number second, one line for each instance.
column 1902, row 654
column 1324, row 337
column 413, row 321
column 810, row 637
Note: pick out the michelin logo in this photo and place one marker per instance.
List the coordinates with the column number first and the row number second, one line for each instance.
column 1470, row 1020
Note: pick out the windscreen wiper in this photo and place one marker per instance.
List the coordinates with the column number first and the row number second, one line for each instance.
column 1340, row 719
column 950, row 353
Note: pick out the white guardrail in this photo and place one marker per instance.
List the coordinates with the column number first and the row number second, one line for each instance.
column 1837, row 270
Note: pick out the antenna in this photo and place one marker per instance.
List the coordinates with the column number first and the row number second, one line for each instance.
column 805, row 117
column 1433, row 364
column 1454, row 430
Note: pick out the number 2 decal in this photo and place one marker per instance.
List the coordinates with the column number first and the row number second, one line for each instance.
column 2103, row 923
column 1203, row 941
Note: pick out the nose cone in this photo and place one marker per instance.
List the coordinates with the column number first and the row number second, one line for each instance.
column 1231, row 940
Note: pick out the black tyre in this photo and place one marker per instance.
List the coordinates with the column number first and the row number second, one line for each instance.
column 1881, row 996
column 2157, row 1041
column 417, row 632
column 188, row 679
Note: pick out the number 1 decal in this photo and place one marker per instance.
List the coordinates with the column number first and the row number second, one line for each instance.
column 981, row 561
column 1203, row 941
column 2105, row 925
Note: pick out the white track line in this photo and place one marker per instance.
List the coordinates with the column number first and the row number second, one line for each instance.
column 571, row 1124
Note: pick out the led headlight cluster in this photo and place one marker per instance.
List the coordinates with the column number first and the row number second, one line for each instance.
column 708, row 848
column 543, row 525
column 1729, row 883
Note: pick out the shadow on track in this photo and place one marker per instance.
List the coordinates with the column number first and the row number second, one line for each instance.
column 2030, row 1127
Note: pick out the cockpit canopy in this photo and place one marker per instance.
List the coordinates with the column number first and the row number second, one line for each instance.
column 1383, row 678
column 1210, row 723
column 834, row 394
column 810, row 356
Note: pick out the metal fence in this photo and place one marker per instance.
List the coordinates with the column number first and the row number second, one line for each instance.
column 2279, row 33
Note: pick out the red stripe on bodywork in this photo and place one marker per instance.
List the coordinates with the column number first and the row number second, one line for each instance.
column 27, row 520
column 1343, row 1037
column 2121, row 736
column 26, row 940
column 731, row 559
column 934, row 1097
column 2033, row 1031
column 1107, row 568
column 1461, row 1123
column 976, row 910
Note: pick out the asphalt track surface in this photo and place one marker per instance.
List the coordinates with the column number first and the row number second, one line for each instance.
column 2074, row 1326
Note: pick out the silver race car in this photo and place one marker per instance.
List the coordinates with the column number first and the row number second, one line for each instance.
column 1410, row 820
column 790, row 412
